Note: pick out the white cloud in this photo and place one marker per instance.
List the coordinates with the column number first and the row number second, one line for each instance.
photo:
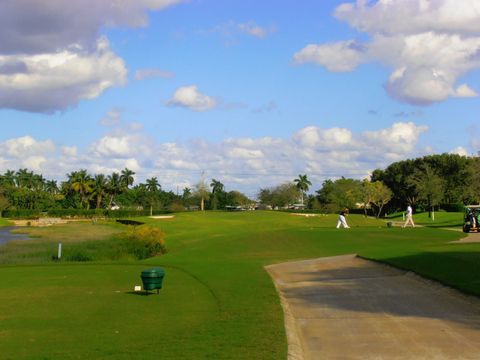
column 338, row 57
column 143, row 74
column 313, row 136
column 34, row 163
column 412, row 16
column 189, row 97
column 231, row 29
column 51, row 55
column 244, row 164
column 113, row 146
column 70, row 151
column 429, row 45
column 394, row 143
column 26, row 146
column 251, row 28
column 460, row 150
column 59, row 80
column 112, row 118
column 44, row 26
column 465, row 91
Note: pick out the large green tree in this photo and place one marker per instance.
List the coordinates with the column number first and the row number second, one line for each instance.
column 429, row 186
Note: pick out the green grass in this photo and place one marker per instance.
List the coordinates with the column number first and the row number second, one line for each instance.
column 218, row 302
column 441, row 219
column 4, row 222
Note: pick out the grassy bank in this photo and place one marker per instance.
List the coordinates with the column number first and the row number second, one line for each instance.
column 218, row 302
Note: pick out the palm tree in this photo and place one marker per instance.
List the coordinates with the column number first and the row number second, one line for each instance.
column 24, row 178
column 217, row 188
column 201, row 190
column 114, row 187
column 81, row 182
column 126, row 177
column 187, row 192
column 99, row 188
column 8, row 179
column 152, row 187
column 303, row 184
column 51, row 187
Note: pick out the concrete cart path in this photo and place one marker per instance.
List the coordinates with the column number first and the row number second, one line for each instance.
column 470, row 238
column 346, row 307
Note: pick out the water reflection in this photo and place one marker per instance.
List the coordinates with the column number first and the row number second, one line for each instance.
column 6, row 234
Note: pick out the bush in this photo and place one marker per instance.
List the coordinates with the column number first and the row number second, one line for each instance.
column 176, row 207
column 452, row 207
column 80, row 213
column 78, row 256
column 144, row 241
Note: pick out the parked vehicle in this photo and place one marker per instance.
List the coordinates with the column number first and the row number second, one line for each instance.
column 470, row 223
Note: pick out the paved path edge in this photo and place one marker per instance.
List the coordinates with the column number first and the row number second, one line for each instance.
column 295, row 347
column 294, row 343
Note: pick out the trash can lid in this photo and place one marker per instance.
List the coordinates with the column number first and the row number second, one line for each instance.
column 154, row 272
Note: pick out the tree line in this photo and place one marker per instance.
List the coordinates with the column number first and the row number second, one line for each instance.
column 26, row 190
column 445, row 180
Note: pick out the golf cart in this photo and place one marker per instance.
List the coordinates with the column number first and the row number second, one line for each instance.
column 470, row 223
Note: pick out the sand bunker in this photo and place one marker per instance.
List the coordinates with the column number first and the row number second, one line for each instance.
column 159, row 217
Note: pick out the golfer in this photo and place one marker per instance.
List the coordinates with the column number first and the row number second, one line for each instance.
column 409, row 215
column 341, row 219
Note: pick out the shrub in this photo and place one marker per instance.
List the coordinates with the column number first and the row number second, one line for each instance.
column 176, row 207
column 144, row 241
column 78, row 256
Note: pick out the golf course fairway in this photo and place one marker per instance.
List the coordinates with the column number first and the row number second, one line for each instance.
column 217, row 301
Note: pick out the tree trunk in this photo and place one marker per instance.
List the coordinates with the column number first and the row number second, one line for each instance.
column 151, row 210
column 202, row 204
column 379, row 211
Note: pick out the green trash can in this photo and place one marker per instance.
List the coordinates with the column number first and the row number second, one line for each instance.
column 152, row 279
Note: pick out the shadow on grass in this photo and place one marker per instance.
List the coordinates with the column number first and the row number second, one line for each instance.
column 142, row 293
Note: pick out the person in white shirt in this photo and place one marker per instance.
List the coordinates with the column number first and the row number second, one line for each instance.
column 341, row 219
column 409, row 215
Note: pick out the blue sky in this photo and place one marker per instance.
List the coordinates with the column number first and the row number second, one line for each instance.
column 251, row 93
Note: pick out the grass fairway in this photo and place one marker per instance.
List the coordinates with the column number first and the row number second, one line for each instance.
column 217, row 303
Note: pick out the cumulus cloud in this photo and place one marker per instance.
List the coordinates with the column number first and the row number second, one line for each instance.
column 252, row 29
column 190, row 98
column 44, row 26
column 26, row 146
column 460, row 150
column 429, row 45
column 59, row 80
column 338, row 57
column 112, row 118
column 52, row 55
column 231, row 30
column 244, row 164
column 112, row 146
column 143, row 74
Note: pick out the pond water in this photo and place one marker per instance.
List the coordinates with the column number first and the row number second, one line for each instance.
column 6, row 234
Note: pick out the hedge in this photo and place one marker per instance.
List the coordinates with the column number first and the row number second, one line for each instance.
column 80, row 213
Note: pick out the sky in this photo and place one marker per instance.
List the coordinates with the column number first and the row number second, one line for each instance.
column 251, row 93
